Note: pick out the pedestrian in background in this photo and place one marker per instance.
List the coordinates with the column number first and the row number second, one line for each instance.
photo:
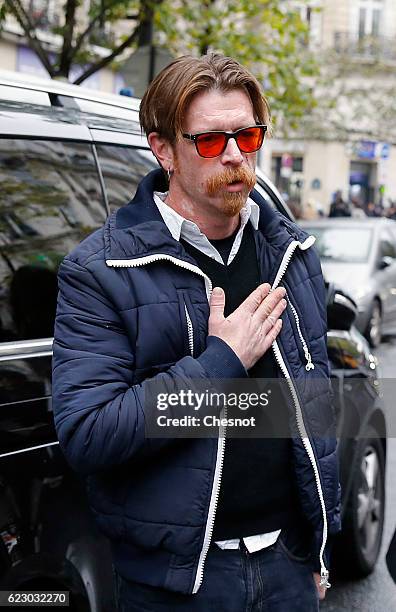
column 339, row 208
column 198, row 524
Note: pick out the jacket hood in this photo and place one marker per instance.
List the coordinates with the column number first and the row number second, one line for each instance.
column 138, row 230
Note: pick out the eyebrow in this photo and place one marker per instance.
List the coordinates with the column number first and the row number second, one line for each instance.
column 241, row 127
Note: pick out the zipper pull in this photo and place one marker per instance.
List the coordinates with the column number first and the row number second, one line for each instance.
column 309, row 365
column 324, row 579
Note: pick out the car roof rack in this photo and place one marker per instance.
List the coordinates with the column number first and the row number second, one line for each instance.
column 58, row 89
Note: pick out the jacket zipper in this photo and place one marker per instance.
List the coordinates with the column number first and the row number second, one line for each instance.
column 190, row 331
column 142, row 261
column 324, row 573
column 214, row 498
column 134, row 263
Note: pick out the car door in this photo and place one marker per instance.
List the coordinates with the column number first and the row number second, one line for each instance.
column 392, row 276
column 50, row 199
column 386, row 278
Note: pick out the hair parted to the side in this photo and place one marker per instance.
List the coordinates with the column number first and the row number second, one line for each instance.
column 166, row 100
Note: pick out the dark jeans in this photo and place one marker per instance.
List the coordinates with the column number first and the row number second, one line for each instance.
column 270, row 580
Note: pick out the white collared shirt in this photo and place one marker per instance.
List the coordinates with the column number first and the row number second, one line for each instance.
column 180, row 227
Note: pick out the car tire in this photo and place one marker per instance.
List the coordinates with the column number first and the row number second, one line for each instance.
column 373, row 331
column 357, row 547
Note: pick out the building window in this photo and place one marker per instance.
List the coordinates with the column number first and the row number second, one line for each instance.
column 44, row 13
column 375, row 27
column 362, row 22
column 370, row 13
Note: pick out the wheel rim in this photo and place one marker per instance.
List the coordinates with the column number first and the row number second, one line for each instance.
column 370, row 509
column 375, row 325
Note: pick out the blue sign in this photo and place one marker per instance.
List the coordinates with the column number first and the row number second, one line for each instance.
column 366, row 149
column 385, row 150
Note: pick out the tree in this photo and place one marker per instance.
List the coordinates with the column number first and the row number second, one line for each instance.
column 265, row 35
column 268, row 36
column 75, row 46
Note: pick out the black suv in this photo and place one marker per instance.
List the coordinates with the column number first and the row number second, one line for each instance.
column 67, row 157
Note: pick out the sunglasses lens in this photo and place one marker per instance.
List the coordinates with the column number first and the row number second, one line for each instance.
column 251, row 139
column 210, row 145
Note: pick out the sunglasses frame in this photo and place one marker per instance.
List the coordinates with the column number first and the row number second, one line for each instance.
column 228, row 135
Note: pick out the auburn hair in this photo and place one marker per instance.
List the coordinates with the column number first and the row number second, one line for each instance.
column 167, row 98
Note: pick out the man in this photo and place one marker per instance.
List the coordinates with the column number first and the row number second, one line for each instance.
column 339, row 208
column 198, row 524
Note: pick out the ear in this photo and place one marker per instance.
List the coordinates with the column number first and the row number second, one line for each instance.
column 162, row 150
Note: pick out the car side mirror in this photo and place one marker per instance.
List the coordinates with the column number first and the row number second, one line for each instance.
column 385, row 262
column 341, row 309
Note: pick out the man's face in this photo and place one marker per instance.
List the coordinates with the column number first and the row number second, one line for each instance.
column 217, row 186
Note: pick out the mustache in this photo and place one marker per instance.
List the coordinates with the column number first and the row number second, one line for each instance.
column 230, row 175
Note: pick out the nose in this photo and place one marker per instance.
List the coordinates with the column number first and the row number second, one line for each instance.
column 232, row 154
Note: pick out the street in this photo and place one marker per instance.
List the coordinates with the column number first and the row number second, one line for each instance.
column 377, row 593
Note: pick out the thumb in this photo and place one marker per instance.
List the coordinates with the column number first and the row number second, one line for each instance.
column 217, row 303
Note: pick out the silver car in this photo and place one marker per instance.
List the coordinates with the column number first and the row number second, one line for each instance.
column 359, row 256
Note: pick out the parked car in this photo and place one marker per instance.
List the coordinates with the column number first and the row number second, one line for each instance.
column 359, row 255
column 67, row 157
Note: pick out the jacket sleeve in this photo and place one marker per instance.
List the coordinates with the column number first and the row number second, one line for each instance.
column 100, row 416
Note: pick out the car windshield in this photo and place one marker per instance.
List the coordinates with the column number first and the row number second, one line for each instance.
column 342, row 244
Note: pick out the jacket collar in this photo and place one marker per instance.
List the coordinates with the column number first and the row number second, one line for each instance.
column 138, row 230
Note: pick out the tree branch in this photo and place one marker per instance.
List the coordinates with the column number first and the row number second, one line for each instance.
column 92, row 24
column 109, row 58
column 66, row 53
column 28, row 27
column 87, row 31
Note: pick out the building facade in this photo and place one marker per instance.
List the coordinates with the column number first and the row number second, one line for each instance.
column 349, row 142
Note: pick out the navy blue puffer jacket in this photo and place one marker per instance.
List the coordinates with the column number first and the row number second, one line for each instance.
column 121, row 322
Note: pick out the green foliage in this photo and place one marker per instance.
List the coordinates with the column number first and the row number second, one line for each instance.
column 264, row 35
column 3, row 13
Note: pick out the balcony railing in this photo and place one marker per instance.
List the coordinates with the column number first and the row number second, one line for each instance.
column 367, row 49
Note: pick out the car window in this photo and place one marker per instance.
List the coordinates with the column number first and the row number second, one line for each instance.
column 123, row 168
column 392, row 231
column 50, row 199
column 342, row 244
column 387, row 245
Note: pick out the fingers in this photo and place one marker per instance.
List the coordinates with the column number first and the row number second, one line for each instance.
column 272, row 318
column 271, row 336
column 255, row 299
column 321, row 589
column 217, row 303
column 268, row 305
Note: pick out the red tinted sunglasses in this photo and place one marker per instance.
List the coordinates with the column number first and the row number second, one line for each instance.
column 212, row 144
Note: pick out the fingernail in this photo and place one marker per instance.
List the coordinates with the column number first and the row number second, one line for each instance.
column 217, row 291
column 284, row 303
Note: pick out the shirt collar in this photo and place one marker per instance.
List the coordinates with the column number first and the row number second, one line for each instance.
column 176, row 224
